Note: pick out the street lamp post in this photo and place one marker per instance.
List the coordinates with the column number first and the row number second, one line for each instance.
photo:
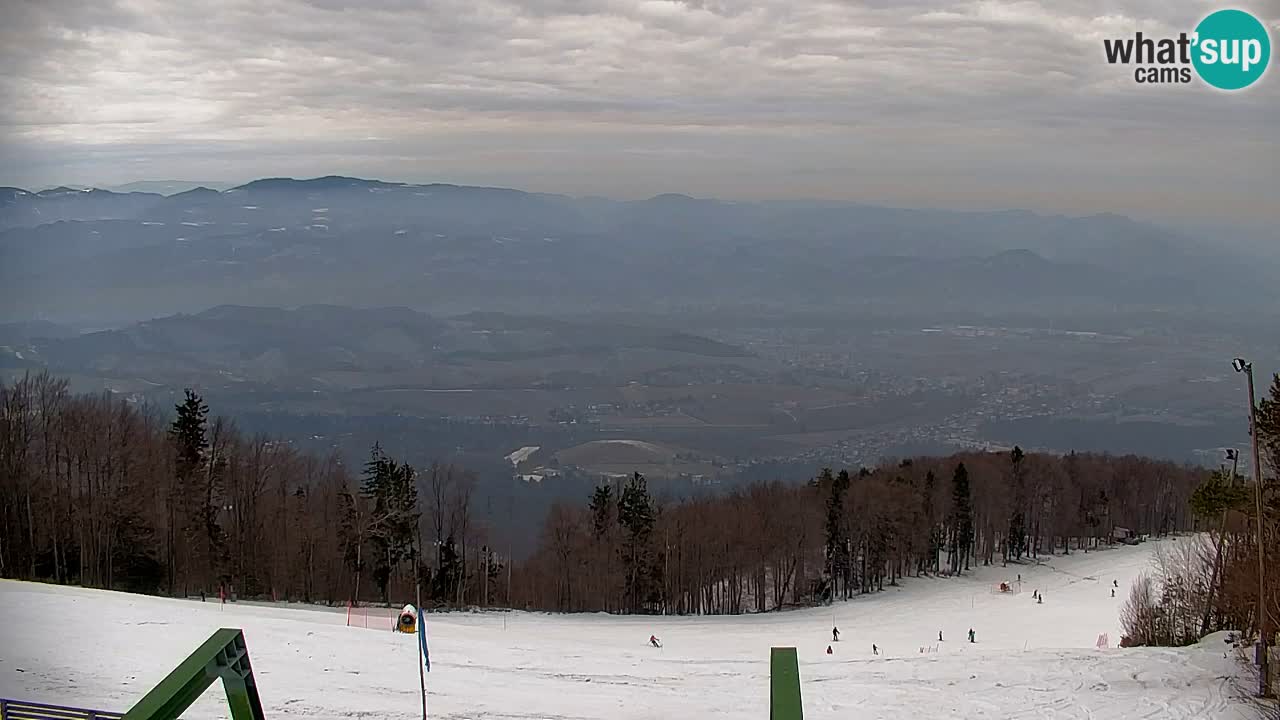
column 1264, row 678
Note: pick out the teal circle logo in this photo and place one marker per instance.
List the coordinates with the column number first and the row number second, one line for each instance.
column 1232, row 49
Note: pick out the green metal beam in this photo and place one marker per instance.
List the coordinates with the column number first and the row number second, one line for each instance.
column 784, row 685
column 223, row 656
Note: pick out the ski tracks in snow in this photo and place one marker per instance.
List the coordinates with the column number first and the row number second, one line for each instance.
column 1033, row 661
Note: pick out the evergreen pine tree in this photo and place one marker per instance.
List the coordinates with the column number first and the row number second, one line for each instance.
column 603, row 516
column 188, row 509
column 1269, row 433
column 392, row 489
column 1015, row 542
column 602, row 510
column 837, row 548
column 935, row 538
column 636, row 516
column 961, row 519
column 188, row 434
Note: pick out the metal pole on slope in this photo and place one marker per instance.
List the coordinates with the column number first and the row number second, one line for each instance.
column 417, row 598
column 1265, row 635
column 511, row 504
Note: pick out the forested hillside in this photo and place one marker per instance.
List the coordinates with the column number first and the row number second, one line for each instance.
column 777, row 544
column 99, row 492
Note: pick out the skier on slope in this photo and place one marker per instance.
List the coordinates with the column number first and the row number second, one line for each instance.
column 939, row 636
column 835, row 634
column 874, row 650
column 654, row 641
column 971, row 635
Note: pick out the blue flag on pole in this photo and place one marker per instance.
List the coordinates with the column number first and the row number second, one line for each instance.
column 422, row 638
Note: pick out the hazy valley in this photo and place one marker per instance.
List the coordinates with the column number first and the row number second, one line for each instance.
column 703, row 341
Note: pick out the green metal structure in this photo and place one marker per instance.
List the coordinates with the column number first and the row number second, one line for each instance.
column 784, row 685
column 223, row 656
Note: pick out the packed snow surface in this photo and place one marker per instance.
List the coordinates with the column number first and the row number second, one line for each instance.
column 104, row 650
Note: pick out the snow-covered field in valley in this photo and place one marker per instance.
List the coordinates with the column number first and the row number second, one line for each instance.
column 104, row 650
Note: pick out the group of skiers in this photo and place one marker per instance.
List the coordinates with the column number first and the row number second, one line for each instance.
column 875, row 649
column 972, row 636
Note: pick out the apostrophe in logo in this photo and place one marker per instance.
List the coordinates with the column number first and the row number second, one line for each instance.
column 1232, row 49
column 1229, row 50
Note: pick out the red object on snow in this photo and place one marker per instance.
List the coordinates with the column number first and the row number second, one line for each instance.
column 829, row 650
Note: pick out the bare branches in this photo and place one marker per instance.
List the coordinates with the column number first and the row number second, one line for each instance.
column 98, row 491
column 768, row 546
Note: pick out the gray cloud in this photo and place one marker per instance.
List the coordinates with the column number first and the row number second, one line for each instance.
column 922, row 102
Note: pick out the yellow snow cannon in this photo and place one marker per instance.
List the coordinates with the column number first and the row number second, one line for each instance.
column 408, row 620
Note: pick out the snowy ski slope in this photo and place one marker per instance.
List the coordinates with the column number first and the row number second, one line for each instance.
column 104, row 650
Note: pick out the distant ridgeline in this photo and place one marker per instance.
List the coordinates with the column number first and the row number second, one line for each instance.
column 284, row 242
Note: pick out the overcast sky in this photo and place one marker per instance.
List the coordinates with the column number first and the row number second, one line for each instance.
column 910, row 102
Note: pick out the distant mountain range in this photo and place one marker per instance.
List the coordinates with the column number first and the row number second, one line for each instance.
column 98, row 255
column 168, row 187
column 292, row 348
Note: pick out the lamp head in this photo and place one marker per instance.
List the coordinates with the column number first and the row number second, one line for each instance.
column 1240, row 365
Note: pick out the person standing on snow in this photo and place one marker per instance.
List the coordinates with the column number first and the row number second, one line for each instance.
column 874, row 650
column 939, row 636
column 835, row 634
column 971, row 635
